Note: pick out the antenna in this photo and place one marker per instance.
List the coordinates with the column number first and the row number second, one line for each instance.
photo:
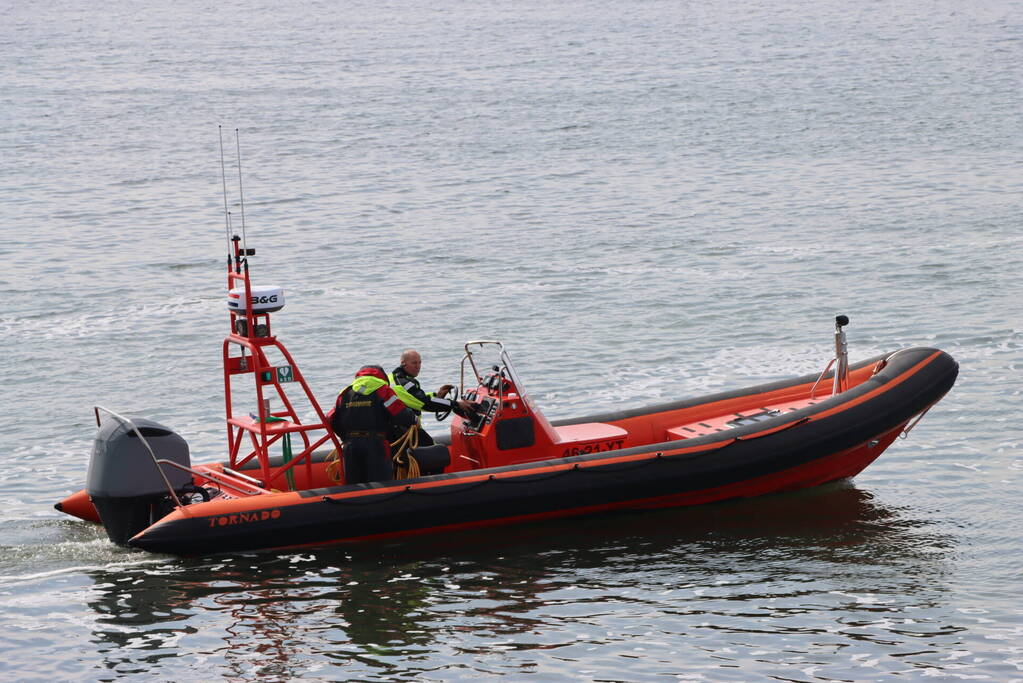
column 241, row 196
column 223, row 177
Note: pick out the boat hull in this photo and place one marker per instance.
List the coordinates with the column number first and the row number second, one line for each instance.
column 832, row 439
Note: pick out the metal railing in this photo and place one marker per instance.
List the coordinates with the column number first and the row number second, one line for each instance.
column 208, row 475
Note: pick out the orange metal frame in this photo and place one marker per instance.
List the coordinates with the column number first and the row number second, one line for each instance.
column 253, row 338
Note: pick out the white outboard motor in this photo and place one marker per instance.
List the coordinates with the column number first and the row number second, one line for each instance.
column 125, row 483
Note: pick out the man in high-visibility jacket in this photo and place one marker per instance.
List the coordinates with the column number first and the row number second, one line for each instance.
column 365, row 413
column 406, row 386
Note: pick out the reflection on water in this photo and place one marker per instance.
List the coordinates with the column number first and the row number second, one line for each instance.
column 393, row 608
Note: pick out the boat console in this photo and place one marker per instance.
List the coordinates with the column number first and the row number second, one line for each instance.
column 507, row 427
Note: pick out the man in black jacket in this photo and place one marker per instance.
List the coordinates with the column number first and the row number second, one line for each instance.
column 406, row 386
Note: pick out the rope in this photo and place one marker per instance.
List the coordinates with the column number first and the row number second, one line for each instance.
column 286, row 457
column 405, row 466
column 286, row 452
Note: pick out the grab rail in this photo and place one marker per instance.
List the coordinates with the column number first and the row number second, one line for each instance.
column 236, row 473
column 258, row 490
column 505, row 364
column 824, row 372
column 472, row 362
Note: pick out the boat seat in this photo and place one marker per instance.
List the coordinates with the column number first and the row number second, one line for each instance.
column 588, row 431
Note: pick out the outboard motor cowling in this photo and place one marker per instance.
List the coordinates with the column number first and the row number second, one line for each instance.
column 125, row 483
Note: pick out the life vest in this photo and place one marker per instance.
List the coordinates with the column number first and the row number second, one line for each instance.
column 366, row 406
column 402, row 386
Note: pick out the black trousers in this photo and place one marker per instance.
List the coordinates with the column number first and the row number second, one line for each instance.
column 367, row 459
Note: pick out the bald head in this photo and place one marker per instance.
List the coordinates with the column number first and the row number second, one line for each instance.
column 411, row 362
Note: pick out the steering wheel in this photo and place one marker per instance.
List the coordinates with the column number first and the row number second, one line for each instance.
column 442, row 415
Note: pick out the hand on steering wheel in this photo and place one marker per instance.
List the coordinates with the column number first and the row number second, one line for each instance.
column 442, row 415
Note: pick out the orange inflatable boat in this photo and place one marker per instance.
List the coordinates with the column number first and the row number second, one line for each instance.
column 280, row 483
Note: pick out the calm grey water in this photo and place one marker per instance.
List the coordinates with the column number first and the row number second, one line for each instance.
column 645, row 200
